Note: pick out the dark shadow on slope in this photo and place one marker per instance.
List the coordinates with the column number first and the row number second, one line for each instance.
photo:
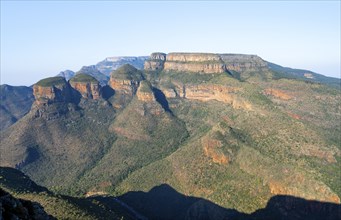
column 107, row 92
column 163, row 202
column 32, row 154
column 161, row 98
column 289, row 207
column 76, row 96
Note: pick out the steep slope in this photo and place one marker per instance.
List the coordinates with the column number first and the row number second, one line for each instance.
column 15, row 102
column 38, row 200
column 13, row 208
column 222, row 127
column 86, row 85
column 145, row 133
column 61, row 137
column 249, row 140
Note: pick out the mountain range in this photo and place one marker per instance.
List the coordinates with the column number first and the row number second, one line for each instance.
column 225, row 135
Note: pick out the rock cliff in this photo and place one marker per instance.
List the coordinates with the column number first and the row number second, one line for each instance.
column 155, row 62
column 87, row 86
column 144, row 92
column 125, row 80
column 52, row 90
column 207, row 92
column 204, row 62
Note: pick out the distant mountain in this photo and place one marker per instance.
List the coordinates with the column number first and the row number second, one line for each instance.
column 286, row 72
column 112, row 63
column 67, row 74
column 102, row 70
column 230, row 129
column 93, row 71
column 16, row 101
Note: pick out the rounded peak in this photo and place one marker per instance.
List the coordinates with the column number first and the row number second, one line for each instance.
column 127, row 71
column 51, row 81
column 82, row 77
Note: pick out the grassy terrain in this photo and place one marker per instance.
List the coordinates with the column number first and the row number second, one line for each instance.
column 127, row 72
column 287, row 142
column 51, row 81
column 59, row 206
column 83, row 78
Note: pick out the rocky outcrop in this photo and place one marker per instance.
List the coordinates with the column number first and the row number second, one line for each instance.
column 124, row 86
column 242, row 62
column 169, row 92
column 208, row 92
column 87, row 86
column 155, row 62
column 144, row 92
column 207, row 63
column 212, row 150
column 215, row 67
column 277, row 93
column 52, row 90
column 125, row 80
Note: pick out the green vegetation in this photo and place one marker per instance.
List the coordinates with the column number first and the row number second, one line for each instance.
column 285, row 139
column 127, row 72
column 59, row 206
column 81, row 77
column 145, row 86
column 51, row 81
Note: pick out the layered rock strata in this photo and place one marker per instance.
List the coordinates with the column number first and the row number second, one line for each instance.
column 144, row 92
column 125, row 80
column 155, row 62
column 87, row 86
column 51, row 90
column 204, row 62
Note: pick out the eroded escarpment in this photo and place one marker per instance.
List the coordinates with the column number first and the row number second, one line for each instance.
column 144, row 92
column 207, row 63
column 155, row 62
column 52, row 90
column 87, row 86
column 125, row 80
column 207, row 92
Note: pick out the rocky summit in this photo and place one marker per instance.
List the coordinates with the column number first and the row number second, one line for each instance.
column 204, row 62
column 177, row 136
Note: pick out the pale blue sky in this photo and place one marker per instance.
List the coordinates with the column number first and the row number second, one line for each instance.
column 40, row 39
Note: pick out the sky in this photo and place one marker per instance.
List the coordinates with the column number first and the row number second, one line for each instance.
column 41, row 38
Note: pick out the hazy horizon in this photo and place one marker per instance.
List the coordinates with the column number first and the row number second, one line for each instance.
column 40, row 39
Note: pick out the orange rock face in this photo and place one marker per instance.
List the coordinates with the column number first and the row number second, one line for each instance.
column 277, row 94
column 211, row 150
column 128, row 87
column 204, row 62
column 195, row 67
column 87, row 90
column 215, row 92
column 47, row 95
column 145, row 96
